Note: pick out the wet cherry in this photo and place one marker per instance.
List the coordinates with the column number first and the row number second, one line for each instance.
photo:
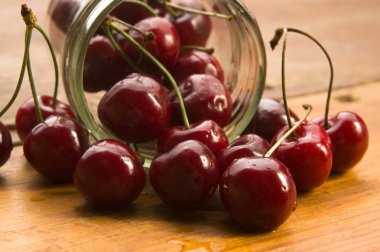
column 136, row 109
column 349, row 137
column 186, row 176
column 109, row 175
column 207, row 132
column 249, row 145
column 205, row 97
column 6, row 145
column 258, row 193
column 54, row 147
column 26, row 117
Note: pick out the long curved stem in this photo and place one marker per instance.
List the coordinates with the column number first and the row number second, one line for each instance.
column 290, row 131
column 162, row 68
column 283, row 86
column 28, row 36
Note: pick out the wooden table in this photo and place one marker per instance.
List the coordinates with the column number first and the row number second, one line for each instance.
column 342, row 215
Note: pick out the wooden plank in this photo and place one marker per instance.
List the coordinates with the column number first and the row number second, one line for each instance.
column 343, row 214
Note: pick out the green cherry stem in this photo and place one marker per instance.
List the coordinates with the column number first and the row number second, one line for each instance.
column 34, row 92
column 187, row 48
column 135, row 44
column 283, row 81
column 291, row 130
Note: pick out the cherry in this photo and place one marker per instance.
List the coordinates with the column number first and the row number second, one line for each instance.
column 249, row 145
column 205, row 97
column 165, row 45
column 349, row 137
column 185, row 177
column 26, row 118
column 103, row 66
column 54, row 147
column 131, row 12
column 270, row 117
column 6, row 145
column 136, row 109
column 197, row 62
column 193, row 29
column 258, row 193
column 207, row 132
column 308, row 155
column 63, row 13
column 109, row 174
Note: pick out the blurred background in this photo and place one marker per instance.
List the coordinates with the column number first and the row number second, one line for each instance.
column 348, row 29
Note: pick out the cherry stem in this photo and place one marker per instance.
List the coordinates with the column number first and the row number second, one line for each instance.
column 291, row 130
column 143, row 4
column 274, row 42
column 56, row 71
column 187, row 48
column 28, row 37
column 162, row 68
column 147, row 36
column 283, row 84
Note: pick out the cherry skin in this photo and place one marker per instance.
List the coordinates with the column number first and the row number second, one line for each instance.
column 26, row 118
column 54, row 147
column 308, row 156
column 193, row 29
column 205, row 97
column 197, row 62
column 258, row 193
column 207, row 132
column 164, row 47
column 6, row 145
column 109, row 175
column 130, row 12
column 103, row 65
column 349, row 137
column 269, row 118
column 249, row 145
column 185, row 177
column 63, row 13
column 136, row 109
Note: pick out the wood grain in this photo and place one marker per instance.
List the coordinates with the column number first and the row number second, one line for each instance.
column 342, row 215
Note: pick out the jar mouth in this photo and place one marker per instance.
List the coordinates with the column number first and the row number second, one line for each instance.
column 245, row 62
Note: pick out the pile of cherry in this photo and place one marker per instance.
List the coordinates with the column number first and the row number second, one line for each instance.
column 258, row 175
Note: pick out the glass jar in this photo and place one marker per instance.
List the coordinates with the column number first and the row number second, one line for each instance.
column 238, row 46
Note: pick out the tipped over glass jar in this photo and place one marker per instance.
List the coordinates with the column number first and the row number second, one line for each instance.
column 222, row 29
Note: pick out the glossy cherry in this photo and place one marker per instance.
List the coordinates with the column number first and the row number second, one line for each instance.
column 164, row 47
column 197, row 62
column 130, row 12
column 193, row 29
column 109, row 174
column 258, row 193
column 26, row 118
column 6, row 145
column 307, row 154
column 137, row 109
column 248, row 145
column 186, row 176
column 270, row 117
column 207, row 132
column 103, row 66
column 205, row 98
column 349, row 137
column 54, row 147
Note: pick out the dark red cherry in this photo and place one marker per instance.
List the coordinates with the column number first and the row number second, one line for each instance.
column 186, row 176
column 269, row 118
column 349, row 137
column 308, row 155
column 26, row 117
column 130, row 12
column 109, row 175
column 6, row 145
column 193, row 29
column 137, row 109
column 207, row 132
column 63, row 13
column 205, row 98
column 103, row 66
column 165, row 46
column 197, row 62
column 258, row 193
column 249, row 145
column 54, row 147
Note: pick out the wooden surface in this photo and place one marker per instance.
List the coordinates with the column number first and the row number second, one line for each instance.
column 342, row 215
